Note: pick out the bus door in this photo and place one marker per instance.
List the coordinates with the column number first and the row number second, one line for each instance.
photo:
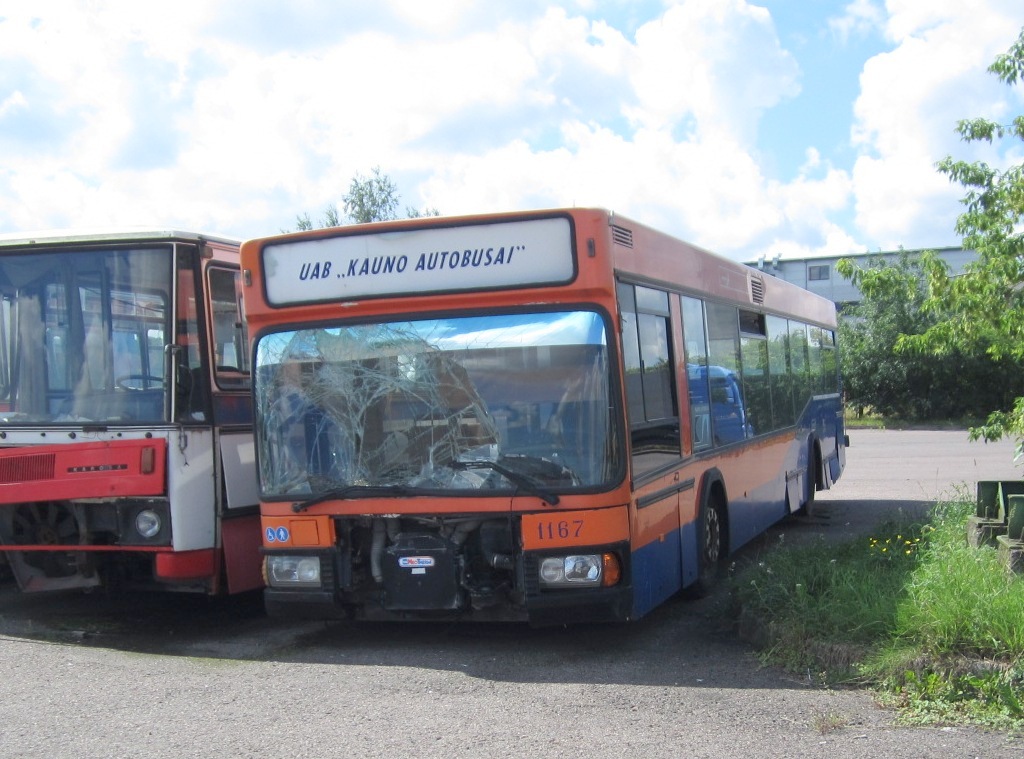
column 238, row 491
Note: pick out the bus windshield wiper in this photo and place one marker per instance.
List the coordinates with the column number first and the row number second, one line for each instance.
column 350, row 491
column 523, row 481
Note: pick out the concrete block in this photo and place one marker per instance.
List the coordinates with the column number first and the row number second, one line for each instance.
column 1015, row 517
column 1011, row 554
column 988, row 499
column 1007, row 490
column 983, row 532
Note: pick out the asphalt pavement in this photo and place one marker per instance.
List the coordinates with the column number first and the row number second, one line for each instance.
column 156, row 676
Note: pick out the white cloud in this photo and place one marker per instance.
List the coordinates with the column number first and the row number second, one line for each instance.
column 910, row 101
column 718, row 62
column 435, row 16
column 195, row 114
column 859, row 18
column 684, row 163
column 13, row 102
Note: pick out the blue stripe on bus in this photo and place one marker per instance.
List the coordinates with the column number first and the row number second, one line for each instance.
column 656, row 573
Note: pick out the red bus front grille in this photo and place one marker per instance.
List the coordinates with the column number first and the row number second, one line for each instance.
column 83, row 469
column 31, row 466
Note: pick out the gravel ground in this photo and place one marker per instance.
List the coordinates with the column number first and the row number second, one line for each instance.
column 90, row 676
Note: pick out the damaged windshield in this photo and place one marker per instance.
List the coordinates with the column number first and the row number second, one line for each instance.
column 513, row 403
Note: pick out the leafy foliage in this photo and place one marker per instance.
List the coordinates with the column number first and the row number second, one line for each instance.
column 984, row 307
column 884, row 371
column 372, row 198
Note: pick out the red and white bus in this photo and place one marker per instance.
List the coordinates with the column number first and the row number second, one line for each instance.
column 126, row 450
column 550, row 417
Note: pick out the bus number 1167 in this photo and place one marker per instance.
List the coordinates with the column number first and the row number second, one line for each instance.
column 563, row 529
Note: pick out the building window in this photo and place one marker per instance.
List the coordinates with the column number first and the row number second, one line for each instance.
column 818, row 273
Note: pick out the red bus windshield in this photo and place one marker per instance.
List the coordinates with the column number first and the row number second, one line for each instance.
column 82, row 335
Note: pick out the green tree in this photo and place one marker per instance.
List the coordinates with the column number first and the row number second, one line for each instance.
column 874, row 374
column 372, row 198
column 984, row 306
column 882, row 371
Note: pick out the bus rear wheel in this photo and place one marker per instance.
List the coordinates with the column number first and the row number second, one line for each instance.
column 814, row 470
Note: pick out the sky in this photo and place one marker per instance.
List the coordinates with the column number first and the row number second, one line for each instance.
column 768, row 128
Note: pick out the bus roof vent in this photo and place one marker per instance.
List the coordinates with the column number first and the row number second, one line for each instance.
column 757, row 290
column 622, row 236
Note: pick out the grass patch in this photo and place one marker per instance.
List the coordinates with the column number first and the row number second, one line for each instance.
column 829, row 722
column 869, row 419
column 934, row 626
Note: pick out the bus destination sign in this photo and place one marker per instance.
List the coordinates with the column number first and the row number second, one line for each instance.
column 435, row 259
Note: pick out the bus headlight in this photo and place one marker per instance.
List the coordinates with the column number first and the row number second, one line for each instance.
column 147, row 523
column 576, row 571
column 293, row 571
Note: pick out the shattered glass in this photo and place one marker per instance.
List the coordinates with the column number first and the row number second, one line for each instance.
column 510, row 403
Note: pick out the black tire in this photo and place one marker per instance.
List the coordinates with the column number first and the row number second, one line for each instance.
column 813, row 476
column 710, row 545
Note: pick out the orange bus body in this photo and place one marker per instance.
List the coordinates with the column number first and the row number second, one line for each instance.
column 670, row 443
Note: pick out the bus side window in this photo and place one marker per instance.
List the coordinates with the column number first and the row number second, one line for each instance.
column 780, row 372
column 755, row 372
column 800, row 363
column 231, row 358
column 729, row 416
column 696, row 342
column 649, row 372
column 192, row 386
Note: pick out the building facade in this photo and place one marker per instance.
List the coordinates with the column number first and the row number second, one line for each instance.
column 819, row 275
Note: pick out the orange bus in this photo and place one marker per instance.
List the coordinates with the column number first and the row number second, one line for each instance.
column 550, row 417
column 126, row 449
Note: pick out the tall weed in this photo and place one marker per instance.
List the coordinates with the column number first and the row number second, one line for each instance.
column 959, row 600
column 935, row 625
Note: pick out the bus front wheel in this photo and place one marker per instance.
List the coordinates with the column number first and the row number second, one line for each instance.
column 710, row 545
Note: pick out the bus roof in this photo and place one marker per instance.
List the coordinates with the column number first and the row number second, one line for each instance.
column 122, row 234
column 677, row 263
column 666, row 261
